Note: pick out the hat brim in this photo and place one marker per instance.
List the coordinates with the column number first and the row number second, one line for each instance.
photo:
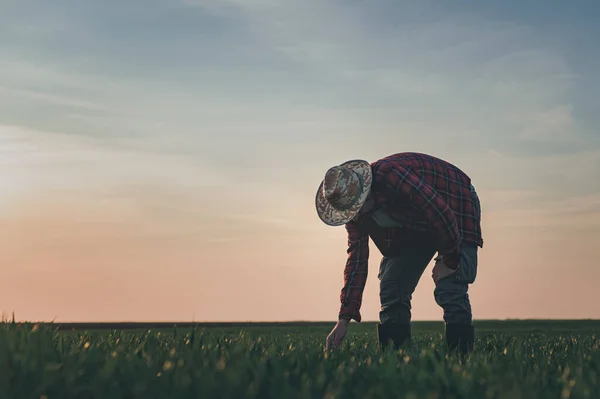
column 334, row 217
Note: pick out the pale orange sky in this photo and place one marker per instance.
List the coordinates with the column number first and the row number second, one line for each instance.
column 127, row 248
column 177, row 182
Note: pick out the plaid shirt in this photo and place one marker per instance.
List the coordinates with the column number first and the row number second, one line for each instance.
column 422, row 193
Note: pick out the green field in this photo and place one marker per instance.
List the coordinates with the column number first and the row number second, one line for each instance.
column 512, row 360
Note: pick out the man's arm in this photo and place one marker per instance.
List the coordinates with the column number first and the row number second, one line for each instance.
column 355, row 272
column 400, row 181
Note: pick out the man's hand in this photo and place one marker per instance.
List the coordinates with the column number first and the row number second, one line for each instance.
column 336, row 335
column 441, row 270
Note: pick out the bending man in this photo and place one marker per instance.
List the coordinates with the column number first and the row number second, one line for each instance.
column 412, row 206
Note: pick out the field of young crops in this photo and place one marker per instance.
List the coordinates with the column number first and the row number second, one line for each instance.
column 512, row 360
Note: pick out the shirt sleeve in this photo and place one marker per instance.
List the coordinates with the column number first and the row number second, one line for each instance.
column 355, row 272
column 398, row 180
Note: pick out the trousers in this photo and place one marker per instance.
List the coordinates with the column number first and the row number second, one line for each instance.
column 399, row 275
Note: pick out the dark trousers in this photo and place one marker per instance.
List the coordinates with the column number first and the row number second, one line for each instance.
column 400, row 274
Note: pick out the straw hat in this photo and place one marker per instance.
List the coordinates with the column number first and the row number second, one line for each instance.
column 343, row 192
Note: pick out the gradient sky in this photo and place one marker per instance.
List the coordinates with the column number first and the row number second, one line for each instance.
column 159, row 159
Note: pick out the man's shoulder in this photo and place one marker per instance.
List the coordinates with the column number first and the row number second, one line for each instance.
column 356, row 226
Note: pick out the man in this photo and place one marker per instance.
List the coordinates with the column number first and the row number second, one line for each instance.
column 411, row 205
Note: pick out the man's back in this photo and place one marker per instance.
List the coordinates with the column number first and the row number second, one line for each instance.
column 412, row 173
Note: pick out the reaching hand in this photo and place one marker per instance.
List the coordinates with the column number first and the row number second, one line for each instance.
column 336, row 335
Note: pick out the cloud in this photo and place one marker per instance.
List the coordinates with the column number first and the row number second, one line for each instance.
column 572, row 214
column 239, row 5
column 393, row 68
column 553, row 177
column 39, row 161
column 346, row 80
column 48, row 99
column 27, row 73
column 554, row 124
column 507, row 199
column 481, row 77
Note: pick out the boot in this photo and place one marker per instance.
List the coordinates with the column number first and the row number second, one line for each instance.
column 394, row 333
column 460, row 338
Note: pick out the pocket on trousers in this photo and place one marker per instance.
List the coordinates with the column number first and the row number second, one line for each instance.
column 467, row 273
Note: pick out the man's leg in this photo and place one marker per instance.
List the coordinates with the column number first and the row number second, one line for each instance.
column 452, row 295
column 399, row 276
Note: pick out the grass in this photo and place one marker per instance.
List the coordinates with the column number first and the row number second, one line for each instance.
column 513, row 359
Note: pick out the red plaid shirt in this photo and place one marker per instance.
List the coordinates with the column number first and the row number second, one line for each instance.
column 424, row 194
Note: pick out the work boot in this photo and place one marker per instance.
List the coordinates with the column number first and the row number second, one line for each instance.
column 395, row 333
column 460, row 338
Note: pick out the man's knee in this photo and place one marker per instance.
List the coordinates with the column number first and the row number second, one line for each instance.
column 399, row 275
column 453, row 298
column 451, row 293
column 395, row 304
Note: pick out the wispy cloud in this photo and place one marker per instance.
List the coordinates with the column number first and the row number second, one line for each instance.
column 498, row 80
column 54, row 161
column 555, row 124
column 48, row 99
column 346, row 76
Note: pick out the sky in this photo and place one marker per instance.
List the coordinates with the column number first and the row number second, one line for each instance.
column 159, row 159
